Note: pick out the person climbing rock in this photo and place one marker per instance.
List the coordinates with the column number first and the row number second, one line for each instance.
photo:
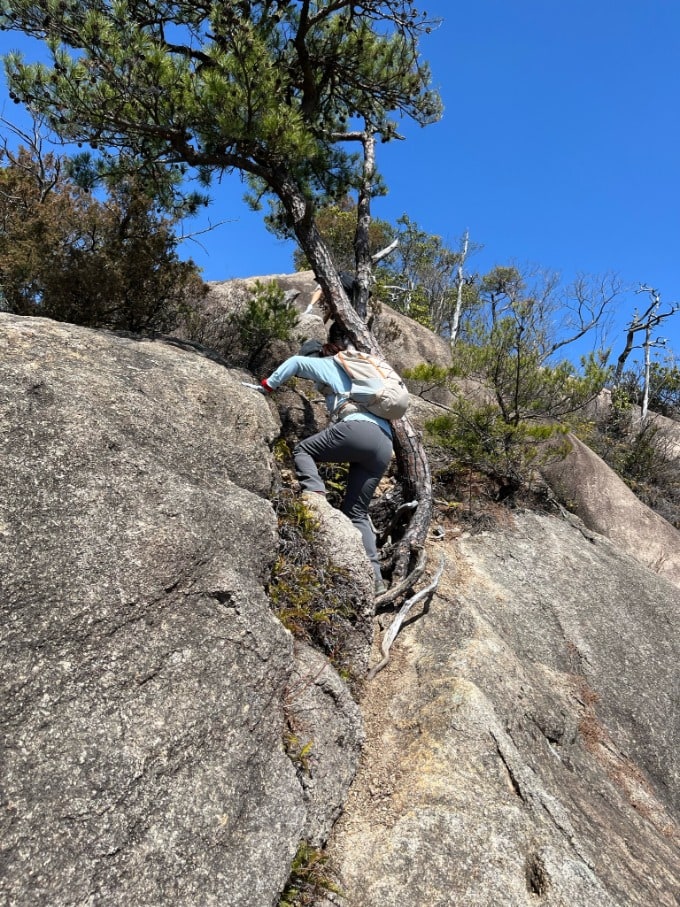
column 355, row 436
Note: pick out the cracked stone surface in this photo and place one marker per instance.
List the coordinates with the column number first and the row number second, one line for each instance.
column 519, row 748
column 521, row 744
column 143, row 676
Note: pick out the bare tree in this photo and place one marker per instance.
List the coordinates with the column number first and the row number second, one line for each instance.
column 587, row 306
column 645, row 322
column 43, row 168
column 460, row 282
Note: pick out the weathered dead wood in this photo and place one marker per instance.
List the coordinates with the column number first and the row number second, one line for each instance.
column 386, row 533
column 407, row 583
column 395, row 626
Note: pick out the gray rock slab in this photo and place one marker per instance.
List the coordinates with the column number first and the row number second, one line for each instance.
column 325, row 724
column 142, row 672
column 594, row 492
column 521, row 744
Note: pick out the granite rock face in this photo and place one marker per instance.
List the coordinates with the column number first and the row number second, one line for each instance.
column 606, row 505
column 165, row 741
column 145, row 680
column 521, row 745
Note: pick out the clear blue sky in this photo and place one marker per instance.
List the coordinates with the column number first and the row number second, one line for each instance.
column 558, row 146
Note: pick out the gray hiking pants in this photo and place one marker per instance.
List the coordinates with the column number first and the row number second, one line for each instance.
column 368, row 450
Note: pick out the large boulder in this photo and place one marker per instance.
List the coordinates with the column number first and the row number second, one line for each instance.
column 146, row 685
column 594, row 492
column 406, row 343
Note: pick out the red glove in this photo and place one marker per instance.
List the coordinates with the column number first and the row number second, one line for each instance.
column 267, row 388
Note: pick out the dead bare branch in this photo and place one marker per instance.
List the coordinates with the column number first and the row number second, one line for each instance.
column 383, row 253
column 405, row 585
column 391, row 634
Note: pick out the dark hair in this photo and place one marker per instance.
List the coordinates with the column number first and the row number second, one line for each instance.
column 337, row 336
column 330, row 349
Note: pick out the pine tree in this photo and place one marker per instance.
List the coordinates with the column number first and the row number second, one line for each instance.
column 282, row 92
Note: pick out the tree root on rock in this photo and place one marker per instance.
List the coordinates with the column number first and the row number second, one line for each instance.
column 395, row 626
column 405, row 585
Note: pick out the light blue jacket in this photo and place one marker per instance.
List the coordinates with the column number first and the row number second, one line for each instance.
column 326, row 373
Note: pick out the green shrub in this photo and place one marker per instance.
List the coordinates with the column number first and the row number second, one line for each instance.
column 478, row 438
column 310, row 878
column 66, row 255
column 312, row 597
column 641, row 454
column 267, row 316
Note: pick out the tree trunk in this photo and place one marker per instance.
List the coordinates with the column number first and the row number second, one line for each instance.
column 648, row 365
column 414, row 470
column 362, row 249
column 455, row 321
column 625, row 353
column 412, row 463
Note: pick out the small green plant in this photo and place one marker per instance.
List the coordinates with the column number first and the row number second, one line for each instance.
column 310, row 877
column 620, row 422
column 425, row 377
column 312, row 597
column 334, row 477
column 267, row 316
column 296, row 522
column 478, row 438
column 297, row 595
column 282, row 453
column 524, row 386
column 497, row 444
column 298, row 752
column 641, row 453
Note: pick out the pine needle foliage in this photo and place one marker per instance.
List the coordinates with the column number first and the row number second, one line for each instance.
column 266, row 316
column 268, row 88
column 517, row 418
column 478, row 438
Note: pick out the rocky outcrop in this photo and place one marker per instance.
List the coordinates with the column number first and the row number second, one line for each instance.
column 521, row 743
column 147, row 689
column 407, row 343
column 666, row 432
column 404, row 342
column 594, row 492
column 167, row 742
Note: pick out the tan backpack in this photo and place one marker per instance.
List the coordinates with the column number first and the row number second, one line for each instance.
column 376, row 387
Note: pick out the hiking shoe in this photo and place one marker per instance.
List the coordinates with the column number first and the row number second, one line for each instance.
column 380, row 587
